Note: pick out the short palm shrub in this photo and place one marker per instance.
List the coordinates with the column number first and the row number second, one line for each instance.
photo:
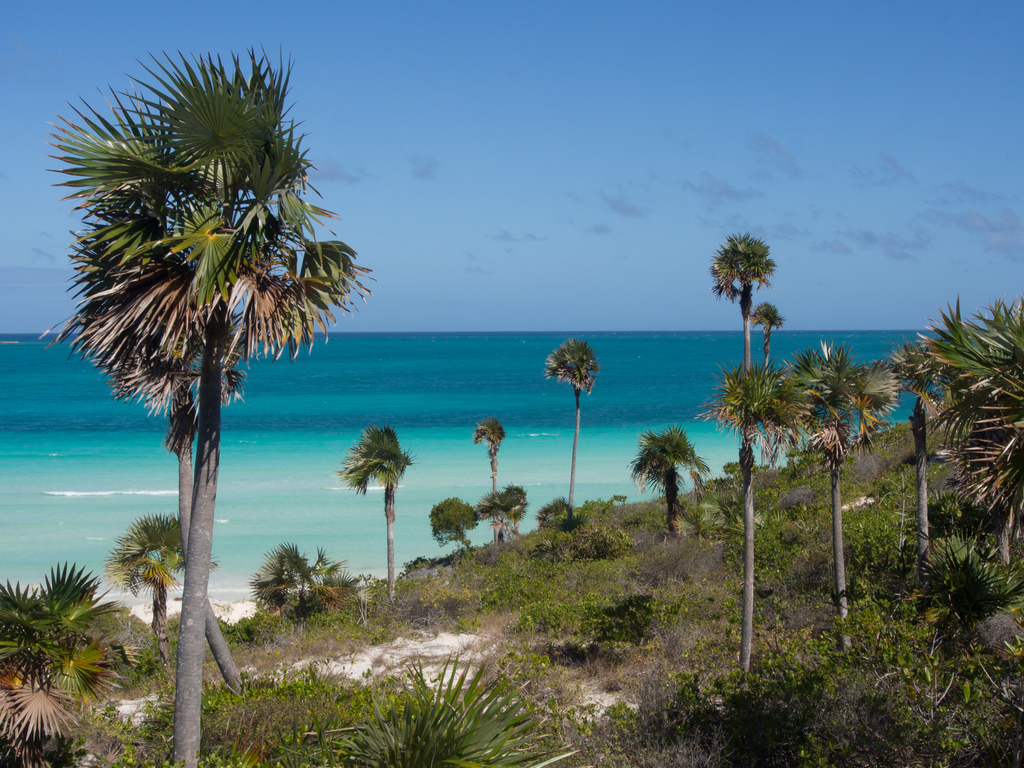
column 567, row 523
column 968, row 585
column 455, row 720
column 287, row 579
column 557, row 507
column 49, row 662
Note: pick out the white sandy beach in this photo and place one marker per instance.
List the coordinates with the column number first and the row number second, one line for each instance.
column 230, row 612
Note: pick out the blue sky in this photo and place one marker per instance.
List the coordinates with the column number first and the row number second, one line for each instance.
column 573, row 166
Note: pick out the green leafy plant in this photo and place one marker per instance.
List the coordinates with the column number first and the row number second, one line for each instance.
column 287, row 577
column 967, row 586
column 49, row 663
column 463, row 721
column 450, row 520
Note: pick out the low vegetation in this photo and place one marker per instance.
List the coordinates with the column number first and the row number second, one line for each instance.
column 620, row 640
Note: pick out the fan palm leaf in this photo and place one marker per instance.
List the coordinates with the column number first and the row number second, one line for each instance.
column 919, row 374
column 49, row 664
column 984, row 406
column 742, row 265
column 573, row 363
column 491, row 432
column 378, row 457
column 756, row 404
column 847, row 403
column 660, row 458
column 196, row 232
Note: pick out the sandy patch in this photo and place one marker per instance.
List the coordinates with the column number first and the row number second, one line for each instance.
column 405, row 654
column 230, row 612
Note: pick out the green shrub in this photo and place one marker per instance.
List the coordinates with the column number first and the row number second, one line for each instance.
column 450, row 520
column 598, row 542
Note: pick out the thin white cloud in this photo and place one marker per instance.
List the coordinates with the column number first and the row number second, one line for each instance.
column 961, row 191
column 892, row 245
column 773, row 155
column 716, row 191
column 330, row 170
column 1003, row 233
column 831, row 246
column 423, row 167
column 624, row 207
column 888, row 171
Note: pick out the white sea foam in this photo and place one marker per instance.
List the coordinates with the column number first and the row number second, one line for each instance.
column 225, row 520
column 346, row 488
column 111, row 493
column 95, row 538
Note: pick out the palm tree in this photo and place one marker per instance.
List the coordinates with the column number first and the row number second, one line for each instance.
column 918, row 374
column 50, row 662
column 146, row 558
column 659, row 458
column 505, row 509
column 741, row 266
column 755, row 404
column 847, row 401
column 196, row 231
column 165, row 383
column 768, row 317
column 983, row 408
column 574, row 363
column 286, row 575
column 378, row 457
column 490, row 431
column 555, row 508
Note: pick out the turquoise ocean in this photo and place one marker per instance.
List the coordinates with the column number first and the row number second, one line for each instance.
column 76, row 467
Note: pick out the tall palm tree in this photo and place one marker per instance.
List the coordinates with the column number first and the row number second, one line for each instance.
column 196, row 231
column 740, row 266
column 574, row 363
column 983, row 408
column 659, row 458
column 504, row 509
column 755, row 404
column 50, row 663
column 165, row 382
column 768, row 317
column 490, row 431
column 847, row 401
column 286, row 574
column 378, row 457
column 919, row 374
column 147, row 557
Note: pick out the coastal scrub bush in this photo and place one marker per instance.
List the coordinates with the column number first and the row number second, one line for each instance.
column 599, row 541
column 450, row 520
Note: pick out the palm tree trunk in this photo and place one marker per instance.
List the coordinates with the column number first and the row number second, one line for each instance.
column 746, row 302
column 838, row 554
column 1004, row 527
column 575, row 440
column 672, row 501
column 389, row 515
column 767, row 344
column 494, row 470
column 747, row 621
column 160, row 624
column 919, row 428
column 195, row 604
column 214, row 637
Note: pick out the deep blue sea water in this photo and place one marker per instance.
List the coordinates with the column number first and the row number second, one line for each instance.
column 76, row 467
